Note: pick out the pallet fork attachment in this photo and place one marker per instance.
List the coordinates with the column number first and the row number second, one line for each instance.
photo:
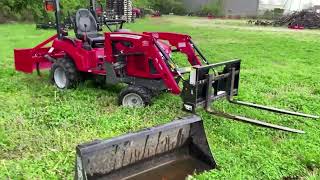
column 171, row 151
column 204, row 87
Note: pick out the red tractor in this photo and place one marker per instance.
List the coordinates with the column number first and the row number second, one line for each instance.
column 118, row 57
column 141, row 60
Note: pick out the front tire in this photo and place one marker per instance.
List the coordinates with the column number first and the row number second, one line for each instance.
column 64, row 74
column 135, row 96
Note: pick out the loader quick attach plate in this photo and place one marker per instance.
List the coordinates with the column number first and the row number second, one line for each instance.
column 171, row 152
column 205, row 87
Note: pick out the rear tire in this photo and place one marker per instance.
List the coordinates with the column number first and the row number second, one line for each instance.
column 64, row 74
column 135, row 96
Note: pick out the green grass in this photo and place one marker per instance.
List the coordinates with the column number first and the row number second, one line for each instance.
column 40, row 125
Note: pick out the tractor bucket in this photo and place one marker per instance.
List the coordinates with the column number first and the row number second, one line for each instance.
column 169, row 152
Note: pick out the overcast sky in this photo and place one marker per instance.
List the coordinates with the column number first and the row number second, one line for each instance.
column 292, row 4
column 294, row 1
column 271, row 1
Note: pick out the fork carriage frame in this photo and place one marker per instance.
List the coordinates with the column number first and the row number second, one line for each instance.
column 204, row 88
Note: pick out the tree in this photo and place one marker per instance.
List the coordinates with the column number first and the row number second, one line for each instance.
column 168, row 6
column 141, row 3
column 29, row 10
column 33, row 10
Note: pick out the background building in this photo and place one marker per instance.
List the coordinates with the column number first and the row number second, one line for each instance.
column 228, row 7
column 241, row 7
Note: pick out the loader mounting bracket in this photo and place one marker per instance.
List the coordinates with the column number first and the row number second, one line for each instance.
column 114, row 78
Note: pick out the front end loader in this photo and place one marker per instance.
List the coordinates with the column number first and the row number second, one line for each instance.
column 207, row 83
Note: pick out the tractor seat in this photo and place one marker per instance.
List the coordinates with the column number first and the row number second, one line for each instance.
column 95, row 39
column 86, row 28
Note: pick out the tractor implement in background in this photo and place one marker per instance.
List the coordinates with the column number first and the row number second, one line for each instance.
column 171, row 152
column 205, row 87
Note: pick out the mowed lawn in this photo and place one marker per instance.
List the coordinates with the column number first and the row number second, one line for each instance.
column 40, row 126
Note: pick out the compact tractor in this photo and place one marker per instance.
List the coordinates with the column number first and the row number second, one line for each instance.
column 144, row 62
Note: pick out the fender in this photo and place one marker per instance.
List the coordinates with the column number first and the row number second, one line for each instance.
column 80, row 56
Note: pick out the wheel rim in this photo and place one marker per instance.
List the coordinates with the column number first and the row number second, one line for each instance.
column 132, row 100
column 60, row 78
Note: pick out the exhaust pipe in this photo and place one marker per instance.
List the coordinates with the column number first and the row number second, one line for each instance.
column 168, row 152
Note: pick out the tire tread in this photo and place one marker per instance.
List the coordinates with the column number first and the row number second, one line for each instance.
column 143, row 92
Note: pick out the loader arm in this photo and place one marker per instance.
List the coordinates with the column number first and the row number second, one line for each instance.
column 182, row 43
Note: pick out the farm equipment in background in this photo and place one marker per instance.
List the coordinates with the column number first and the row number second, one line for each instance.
column 143, row 62
column 103, row 18
column 121, row 9
column 68, row 23
column 211, row 16
column 137, row 13
column 114, row 10
column 156, row 14
column 46, row 25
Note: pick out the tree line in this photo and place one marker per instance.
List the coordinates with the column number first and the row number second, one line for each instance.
column 33, row 10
